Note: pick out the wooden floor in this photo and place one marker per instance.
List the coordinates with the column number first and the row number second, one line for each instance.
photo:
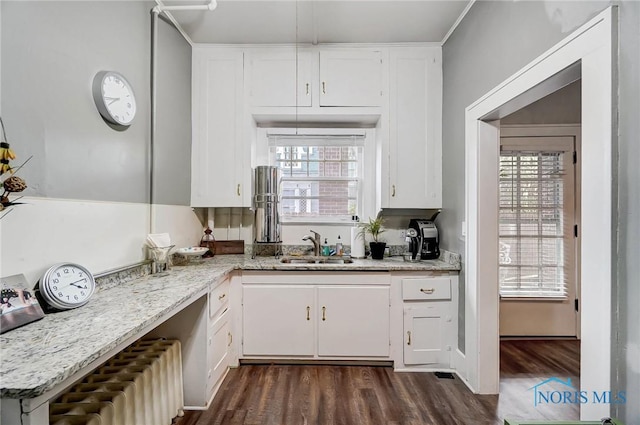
column 359, row 395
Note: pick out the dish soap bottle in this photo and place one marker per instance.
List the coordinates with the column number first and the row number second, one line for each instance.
column 326, row 249
column 339, row 248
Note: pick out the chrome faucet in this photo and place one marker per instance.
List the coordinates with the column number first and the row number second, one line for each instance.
column 315, row 240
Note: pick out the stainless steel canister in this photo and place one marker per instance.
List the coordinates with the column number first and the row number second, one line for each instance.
column 266, row 204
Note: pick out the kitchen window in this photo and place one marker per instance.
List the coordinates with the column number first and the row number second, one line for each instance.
column 536, row 220
column 322, row 176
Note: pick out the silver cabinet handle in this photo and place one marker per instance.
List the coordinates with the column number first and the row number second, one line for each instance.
column 427, row 291
column 324, row 88
column 307, row 85
column 238, row 189
column 408, row 337
column 324, row 313
column 308, row 311
column 393, row 190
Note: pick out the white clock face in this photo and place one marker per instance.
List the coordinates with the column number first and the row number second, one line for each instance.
column 67, row 286
column 118, row 98
column 114, row 97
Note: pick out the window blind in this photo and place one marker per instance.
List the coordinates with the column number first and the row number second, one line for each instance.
column 535, row 228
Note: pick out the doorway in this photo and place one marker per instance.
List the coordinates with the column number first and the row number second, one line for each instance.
column 589, row 54
column 539, row 221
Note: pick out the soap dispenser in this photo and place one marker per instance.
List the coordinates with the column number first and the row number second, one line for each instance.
column 326, row 249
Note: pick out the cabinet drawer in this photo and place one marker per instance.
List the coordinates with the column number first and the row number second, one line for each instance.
column 219, row 341
column 428, row 288
column 219, row 297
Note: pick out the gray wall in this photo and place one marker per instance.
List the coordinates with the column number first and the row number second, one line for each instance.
column 50, row 53
column 627, row 317
column 495, row 40
column 172, row 144
column 560, row 107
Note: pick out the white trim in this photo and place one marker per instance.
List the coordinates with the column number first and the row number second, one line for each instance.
column 594, row 46
column 457, row 22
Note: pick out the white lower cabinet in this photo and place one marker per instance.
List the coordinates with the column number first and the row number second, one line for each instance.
column 425, row 335
column 317, row 319
column 429, row 320
column 277, row 320
column 354, row 321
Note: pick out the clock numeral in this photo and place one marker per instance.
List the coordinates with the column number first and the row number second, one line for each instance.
column 55, row 288
column 75, row 297
column 82, row 292
column 60, row 294
column 68, row 297
column 66, row 271
column 58, row 273
column 56, row 280
column 80, row 274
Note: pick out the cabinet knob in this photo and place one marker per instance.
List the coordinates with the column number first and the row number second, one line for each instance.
column 393, row 190
column 408, row 337
column 220, row 297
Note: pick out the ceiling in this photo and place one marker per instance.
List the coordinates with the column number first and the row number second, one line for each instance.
column 322, row 21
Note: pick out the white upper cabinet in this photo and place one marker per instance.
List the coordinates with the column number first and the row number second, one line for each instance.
column 414, row 178
column 219, row 170
column 351, row 77
column 274, row 80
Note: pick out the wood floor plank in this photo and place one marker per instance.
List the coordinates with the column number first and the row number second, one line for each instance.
column 369, row 395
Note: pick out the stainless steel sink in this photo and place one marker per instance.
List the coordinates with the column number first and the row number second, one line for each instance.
column 312, row 259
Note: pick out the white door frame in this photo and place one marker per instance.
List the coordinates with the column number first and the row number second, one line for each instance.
column 594, row 47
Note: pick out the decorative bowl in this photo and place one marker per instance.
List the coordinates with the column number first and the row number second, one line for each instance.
column 192, row 251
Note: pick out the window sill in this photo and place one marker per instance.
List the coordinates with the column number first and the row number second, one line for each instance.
column 532, row 298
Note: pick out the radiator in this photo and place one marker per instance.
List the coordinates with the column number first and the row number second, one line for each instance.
column 142, row 385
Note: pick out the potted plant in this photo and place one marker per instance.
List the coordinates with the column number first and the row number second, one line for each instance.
column 374, row 228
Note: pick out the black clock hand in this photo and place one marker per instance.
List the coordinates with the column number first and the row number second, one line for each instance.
column 78, row 286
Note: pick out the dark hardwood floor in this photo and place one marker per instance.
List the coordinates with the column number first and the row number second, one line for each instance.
column 359, row 395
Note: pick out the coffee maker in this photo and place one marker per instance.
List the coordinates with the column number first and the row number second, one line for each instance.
column 423, row 239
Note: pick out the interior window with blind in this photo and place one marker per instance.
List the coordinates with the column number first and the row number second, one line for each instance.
column 536, row 221
column 321, row 176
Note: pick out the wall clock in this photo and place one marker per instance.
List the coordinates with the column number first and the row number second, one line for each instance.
column 114, row 97
column 65, row 286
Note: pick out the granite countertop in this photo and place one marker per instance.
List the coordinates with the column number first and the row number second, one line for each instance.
column 38, row 356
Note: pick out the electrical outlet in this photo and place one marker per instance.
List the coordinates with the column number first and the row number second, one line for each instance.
column 403, row 234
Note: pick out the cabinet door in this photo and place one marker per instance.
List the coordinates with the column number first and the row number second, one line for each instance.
column 415, row 140
column 424, row 334
column 350, row 77
column 218, row 155
column 353, row 321
column 278, row 320
column 274, row 80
